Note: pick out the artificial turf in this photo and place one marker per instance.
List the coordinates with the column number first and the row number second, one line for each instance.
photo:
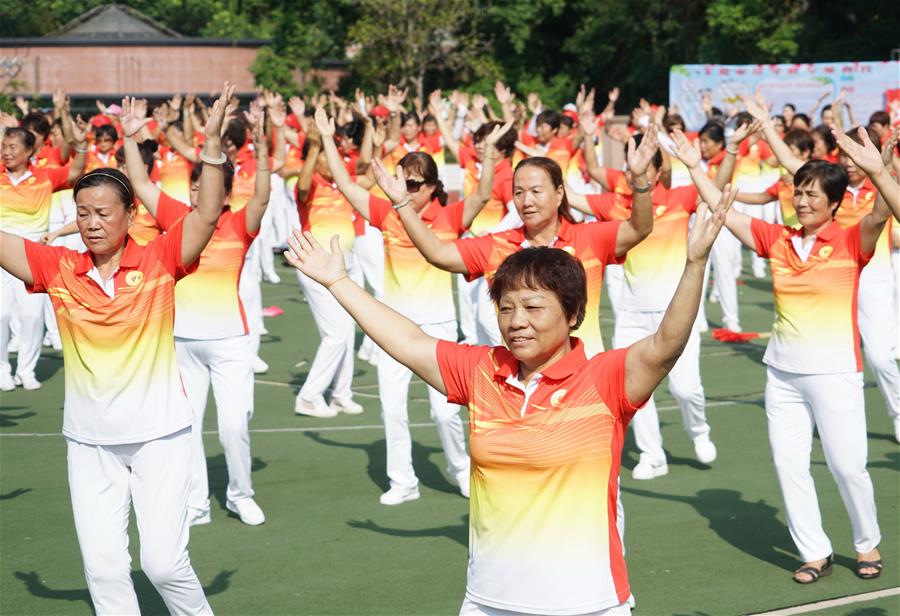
column 699, row 541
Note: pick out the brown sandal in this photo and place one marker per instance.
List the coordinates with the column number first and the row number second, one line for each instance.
column 815, row 573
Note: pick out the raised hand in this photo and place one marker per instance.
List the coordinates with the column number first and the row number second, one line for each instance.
column 496, row 134
column 308, row 256
column 587, row 122
column 685, row 151
column 743, row 131
column 580, row 97
column 216, row 119
column 534, row 102
column 260, row 143
column 254, row 112
column 640, row 157
column 175, row 102
column 479, row 101
column 298, row 107
column 101, row 107
column 706, row 102
column 887, row 152
column 502, row 92
column 8, row 120
column 379, row 135
column 22, row 105
column 159, row 115
column 866, row 156
column 80, row 129
column 59, row 100
column 707, row 224
column 614, row 95
column 395, row 98
column 277, row 111
column 324, row 124
column 394, row 186
column 756, row 108
column 134, row 112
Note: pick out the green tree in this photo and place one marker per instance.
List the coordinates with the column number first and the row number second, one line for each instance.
column 742, row 31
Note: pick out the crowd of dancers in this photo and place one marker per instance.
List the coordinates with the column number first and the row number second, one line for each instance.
column 105, row 215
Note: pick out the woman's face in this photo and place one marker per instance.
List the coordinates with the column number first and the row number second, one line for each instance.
column 102, row 219
column 322, row 166
column 534, row 325
column 820, row 150
column 430, row 127
column 709, row 148
column 423, row 196
column 545, row 132
column 788, row 113
column 828, row 117
column 856, row 175
column 812, row 206
column 410, row 130
column 798, row 122
column 779, row 125
column 14, row 153
column 104, row 143
column 537, row 199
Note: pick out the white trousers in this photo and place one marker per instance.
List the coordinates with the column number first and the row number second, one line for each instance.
column 393, row 390
column 250, row 292
column 333, row 363
column 725, row 259
column 834, row 404
column 226, row 365
column 475, row 301
column 466, row 317
column 684, row 384
column 895, row 260
column 29, row 308
column 877, row 317
column 103, row 481
column 470, row 608
column 614, row 275
column 369, row 252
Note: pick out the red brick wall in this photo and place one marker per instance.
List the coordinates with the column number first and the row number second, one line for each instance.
column 133, row 70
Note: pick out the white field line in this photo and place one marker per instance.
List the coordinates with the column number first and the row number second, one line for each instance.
column 832, row 603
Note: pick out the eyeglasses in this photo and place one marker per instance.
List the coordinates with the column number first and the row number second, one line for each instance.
column 414, row 185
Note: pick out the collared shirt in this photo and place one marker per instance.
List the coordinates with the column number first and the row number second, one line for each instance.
column 784, row 192
column 858, row 202
column 207, row 303
column 501, row 193
column 412, row 286
column 122, row 379
column 26, row 201
column 326, row 212
column 653, row 267
column 592, row 243
column 543, row 536
column 815, row 329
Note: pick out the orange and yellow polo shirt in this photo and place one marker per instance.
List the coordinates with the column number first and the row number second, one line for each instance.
column 653, row 267
column 122, row 379
column 815, row 329
column 175, row 174
column 784, row 192
column 26, row 202
column 857, row 203
column 144, row 228
column 327, row 212
column 592, row 243
column 97, row 160
column 501, row 193
column 542, row 525
column 207, row 304
column 412, row 286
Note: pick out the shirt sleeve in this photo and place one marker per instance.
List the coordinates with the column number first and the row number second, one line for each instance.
column 378, row 211
column 455, row 213
column 44, row 263
column 603, row 241
column 169, row 211
column 601, row 205
column 854, row 244
column 608, row 369
column 613, row 176
column 686, row 196
column 457, row 363
column 239, row 224
column 773, row 189
column 476, row 254
column 59, row 177
column 168, row 250
column 765, row 235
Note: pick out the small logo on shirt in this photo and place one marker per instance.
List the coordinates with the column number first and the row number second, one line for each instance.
column 660, row 210
column 569, row 249
column 826, row 251
column 134, row 278
column 556, row 398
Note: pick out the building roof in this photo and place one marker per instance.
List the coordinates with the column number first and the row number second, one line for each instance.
column 114, row 21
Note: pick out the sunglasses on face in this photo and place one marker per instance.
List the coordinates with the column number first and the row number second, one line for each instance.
column 414, row 185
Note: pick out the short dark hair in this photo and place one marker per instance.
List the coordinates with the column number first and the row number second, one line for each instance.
column 107, row 176
column 881, row 117
column 568, row 121
column 657, row 156
column 801, row 116
column 673, row 119
column 714, row 131
column 146, row 148
column 236, row 132
column 791, row 106
column 107, row 130
column 354, row 131
column 832, row 178
column 24, row 135
column 542, row 267
column 743, row 117
column 550, row 117
column 406, row 116
column 552, row 169
column 423, row 164
column 507, row 142
column 37, row 122
column 227, row 169
column 824, row 109
column 824, row 133
column 800, row 139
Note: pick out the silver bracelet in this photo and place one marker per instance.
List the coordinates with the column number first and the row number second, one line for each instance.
column 214, row 161
column 81, row 150
column 403, row 203
column 640, row 189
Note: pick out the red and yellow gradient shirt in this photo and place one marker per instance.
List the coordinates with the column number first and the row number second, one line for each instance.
column 122, row 379
column 327, row 212
column 207, row 304
column 558, row 149
column 542, row 525
column 653, row 267
column 175, row 175
column 434, row 145
column 501, row 193
column 97, row 160
column 25, row 204
column 856, row 205
column 412, row 286
column 815, row 329
column 784, row 192
column 393, row 158
column 592, row 243
column 144, row 228
column 49, row 156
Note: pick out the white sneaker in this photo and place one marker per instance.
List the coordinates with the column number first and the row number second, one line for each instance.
column 733, row 326
column 648, row 469
column 272, row 277
column 13, row 345
column 27, row 382
column 398, row 495
column 199, row 517
column 46, row 341
column 704, row 449
column 897, row 429
column 247, row 510
column 7, row 382
column 313, row 408
column 714, row 296
column 463, row 482
column 759, row 271
column 703, row 326
column 259, row 366
column 347, row 406
column 56, row 343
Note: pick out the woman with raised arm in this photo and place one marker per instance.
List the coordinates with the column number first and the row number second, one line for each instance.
column 418, row 290
column 814, row 370
column 546, row 423
column 127, row 420
column 210, row 323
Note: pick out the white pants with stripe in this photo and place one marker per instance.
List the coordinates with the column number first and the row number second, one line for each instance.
column 104, row 480
column 250, row 292
column 470, row 608
column 684, row 384
column 393, row 390
column 725, row 259
column 333, row 363
column 475, row 302
column 369, row 252
column 877, row 316
column 29, row 308
column 833, row 404
column 225, row 364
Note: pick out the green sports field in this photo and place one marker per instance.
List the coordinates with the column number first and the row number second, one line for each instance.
column 700, row 540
